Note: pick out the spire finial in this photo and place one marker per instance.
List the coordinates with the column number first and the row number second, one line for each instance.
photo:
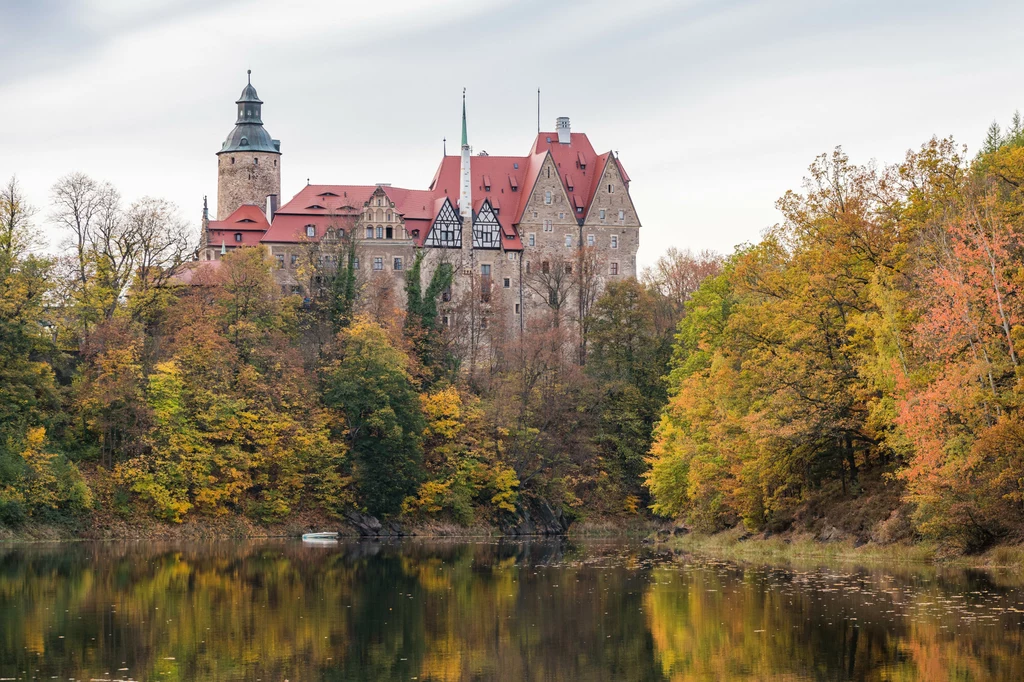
column 248, row 74
column 465, row 137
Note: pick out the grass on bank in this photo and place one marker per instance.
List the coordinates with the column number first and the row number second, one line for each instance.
column 736, row 545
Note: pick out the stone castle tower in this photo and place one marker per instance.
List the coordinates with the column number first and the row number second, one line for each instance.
column 249, row 161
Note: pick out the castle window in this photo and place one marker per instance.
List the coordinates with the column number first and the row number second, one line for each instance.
column 280, row 261
column 295, row 259
column 238, row 236
column 561, row 216
column 545, row 267
column 380, row 232
column 485, row 283
column 355, row 263
column 310, row 230
column 255, row 161
column 517, row 308
column 568, row 240
column 609, row 189
column 341, row 233
column 548, row 226
column 590, row 240
column 446, row 295
column 378, row 263
column 398, row 264
column 615, row 241
column 614, row 268
column 622, row 215
column 602, row 214
column 507, row 283
column 275, row 163
column 532, row 239
column 547, row 197
column 548, row 169
column 388, row 216
column 527, row 267
column 369, row 232
column 389, row 232
column 232, row 160
column 444, row 321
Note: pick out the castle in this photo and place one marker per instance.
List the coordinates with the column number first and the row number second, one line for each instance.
column 527, row 237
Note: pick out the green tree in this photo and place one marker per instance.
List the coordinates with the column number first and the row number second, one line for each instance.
column 368, row 380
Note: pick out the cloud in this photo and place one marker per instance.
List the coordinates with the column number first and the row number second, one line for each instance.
column 716, row 106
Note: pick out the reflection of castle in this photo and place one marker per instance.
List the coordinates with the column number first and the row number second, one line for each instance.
column 518, row 224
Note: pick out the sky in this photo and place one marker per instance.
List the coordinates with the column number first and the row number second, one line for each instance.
column 716, row 107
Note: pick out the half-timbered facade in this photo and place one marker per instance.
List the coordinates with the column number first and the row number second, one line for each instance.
column 514, row 228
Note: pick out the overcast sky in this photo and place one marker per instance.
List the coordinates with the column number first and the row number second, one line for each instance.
column 715, row 106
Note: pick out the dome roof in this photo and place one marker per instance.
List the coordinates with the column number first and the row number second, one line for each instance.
column 248, row 95
column 250, row 137
column 249, row 133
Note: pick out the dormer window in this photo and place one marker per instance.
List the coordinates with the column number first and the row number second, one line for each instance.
column 238, row 236
column 310, row 230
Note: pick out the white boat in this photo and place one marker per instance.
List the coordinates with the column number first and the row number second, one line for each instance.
column 319, row 537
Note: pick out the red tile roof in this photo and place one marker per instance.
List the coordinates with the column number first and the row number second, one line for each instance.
column 341, row 205
column 247, row 219
column 197, row 273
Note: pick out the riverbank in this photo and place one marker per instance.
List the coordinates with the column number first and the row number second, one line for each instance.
column 106, row 526
column 737, row 545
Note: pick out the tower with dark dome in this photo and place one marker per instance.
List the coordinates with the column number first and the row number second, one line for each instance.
column 249, row 161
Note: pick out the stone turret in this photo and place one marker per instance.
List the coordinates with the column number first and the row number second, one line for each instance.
column 249, row 161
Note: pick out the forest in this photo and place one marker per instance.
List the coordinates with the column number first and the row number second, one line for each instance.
column 863, row 359
column 128, row 392
column 858, row 366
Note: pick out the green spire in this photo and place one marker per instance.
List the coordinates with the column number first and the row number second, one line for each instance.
column 465, row 137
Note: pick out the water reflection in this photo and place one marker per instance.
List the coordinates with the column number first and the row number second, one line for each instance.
column 489, row 611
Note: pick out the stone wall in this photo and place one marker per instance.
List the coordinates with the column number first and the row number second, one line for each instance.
column 246, row 178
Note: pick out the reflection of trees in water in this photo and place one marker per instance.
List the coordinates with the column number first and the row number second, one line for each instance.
column 499, row 610
column 721, row 621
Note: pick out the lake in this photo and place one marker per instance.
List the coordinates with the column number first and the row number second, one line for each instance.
column 497, row 610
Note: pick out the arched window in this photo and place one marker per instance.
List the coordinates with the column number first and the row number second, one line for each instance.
column 369, row 232
column 388, row 215
column 380, row 232
column 389, row 232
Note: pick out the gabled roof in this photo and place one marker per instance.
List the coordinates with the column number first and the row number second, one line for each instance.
column 341, row 206
column 247, row 219
column 498, row 171
column 351, row 200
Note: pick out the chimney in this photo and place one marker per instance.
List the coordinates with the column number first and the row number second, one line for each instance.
column 562, row 126
column 271, row 207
